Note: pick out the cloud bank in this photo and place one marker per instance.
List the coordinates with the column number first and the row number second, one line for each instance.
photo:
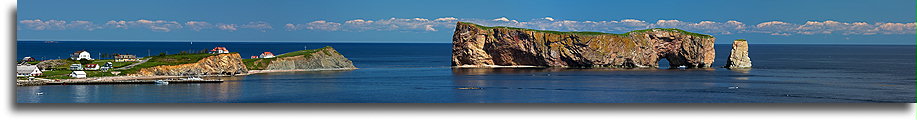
column 778, row 28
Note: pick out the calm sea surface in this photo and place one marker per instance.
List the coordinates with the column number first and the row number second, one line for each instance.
column 421, row 73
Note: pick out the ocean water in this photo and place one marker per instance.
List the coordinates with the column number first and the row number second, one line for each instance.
column 421, row 73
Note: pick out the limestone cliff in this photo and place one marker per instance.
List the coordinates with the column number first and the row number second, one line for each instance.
column 479, row 46
column 323, row 58
column 738, row 58
column 222, row 64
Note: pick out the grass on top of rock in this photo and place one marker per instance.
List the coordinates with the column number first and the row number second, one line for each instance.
column 174, row 59
column 262, row 63
column 740, row 39
column 594, row 33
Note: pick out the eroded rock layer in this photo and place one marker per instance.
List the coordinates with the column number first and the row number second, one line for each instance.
column 326, row 58
column 738, row 58
column 222, row 64
column 478, row 46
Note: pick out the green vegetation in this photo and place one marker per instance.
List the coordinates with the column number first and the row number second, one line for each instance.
column 98, row 73
column 113, row 63
column 740, row 39
column 63, row 71
column 175, row 59
column 595, row 33
column 257, row 63
column 56, row 74
column 306, row 53
column 672, row 29
column 262, row 63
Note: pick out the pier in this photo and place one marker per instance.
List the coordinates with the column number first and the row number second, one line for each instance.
column 94, row 82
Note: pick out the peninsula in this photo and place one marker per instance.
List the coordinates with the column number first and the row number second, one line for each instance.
column 479, row 46
column 183, row 65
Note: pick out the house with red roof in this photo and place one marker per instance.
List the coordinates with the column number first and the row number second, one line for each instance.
column 219, row 50
column 267, row 55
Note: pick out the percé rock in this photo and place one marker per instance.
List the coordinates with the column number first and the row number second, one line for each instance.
column 478, row 46
column 325, row 58
column 738, row 58
column 222, row 64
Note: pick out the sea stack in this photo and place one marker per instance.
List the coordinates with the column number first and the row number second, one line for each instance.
column 738, row 58
column 479, row 46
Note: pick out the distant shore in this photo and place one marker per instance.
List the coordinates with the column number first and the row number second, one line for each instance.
column 110, row 79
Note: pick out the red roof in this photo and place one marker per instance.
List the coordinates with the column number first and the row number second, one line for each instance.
column 254, row 56
column 219, row 48
column 267, row 53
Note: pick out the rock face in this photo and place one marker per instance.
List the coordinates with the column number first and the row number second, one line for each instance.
column 738, row 58
column 48, row 64
column 325, row 58
column 222, row 64
column 478, row 46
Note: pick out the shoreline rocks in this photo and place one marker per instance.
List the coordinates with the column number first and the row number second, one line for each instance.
column 738, row 58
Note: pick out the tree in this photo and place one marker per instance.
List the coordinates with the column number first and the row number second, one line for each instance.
column 85, row 61
column 162, row 54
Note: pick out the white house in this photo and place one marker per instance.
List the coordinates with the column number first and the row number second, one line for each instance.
column 27, row 70
column 267, row 55
column 76, row 66
column 82, row 54
column 78, row 74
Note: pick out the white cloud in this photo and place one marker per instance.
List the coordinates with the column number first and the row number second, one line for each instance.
column 322, row 25
column 429, row 28
column 504, row 19
column 446, row 19
column 445, row 23
column 548, row 18
column 198, row 25
column 228, row 27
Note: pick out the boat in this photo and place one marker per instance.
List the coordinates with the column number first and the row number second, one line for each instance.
column 163, row 82
column 192, row 78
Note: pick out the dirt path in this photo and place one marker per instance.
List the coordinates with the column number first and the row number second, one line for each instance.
column 132, row 65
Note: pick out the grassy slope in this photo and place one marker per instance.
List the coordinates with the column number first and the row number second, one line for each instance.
column 175, row 59
column 63, row 72
column 262, row 63
column 594, row 33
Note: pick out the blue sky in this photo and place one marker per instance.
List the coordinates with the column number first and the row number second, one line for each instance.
column 426, row 21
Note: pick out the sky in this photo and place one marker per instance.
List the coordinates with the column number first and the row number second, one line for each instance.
column 433, row 21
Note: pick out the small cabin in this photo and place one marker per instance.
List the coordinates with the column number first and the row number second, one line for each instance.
column 78, row 74
column 76, row 67
column 80, row 55
column 253, row 57
column 219, row 50
column 267, row 55
column 27, row 70
column 106, row 66
column 126, row 58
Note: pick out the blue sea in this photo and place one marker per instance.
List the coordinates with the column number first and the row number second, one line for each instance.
column 421, row 73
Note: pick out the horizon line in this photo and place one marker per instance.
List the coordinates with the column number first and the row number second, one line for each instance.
column 72, row 40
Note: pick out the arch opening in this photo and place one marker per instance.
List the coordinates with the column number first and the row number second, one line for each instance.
column 663, row 64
